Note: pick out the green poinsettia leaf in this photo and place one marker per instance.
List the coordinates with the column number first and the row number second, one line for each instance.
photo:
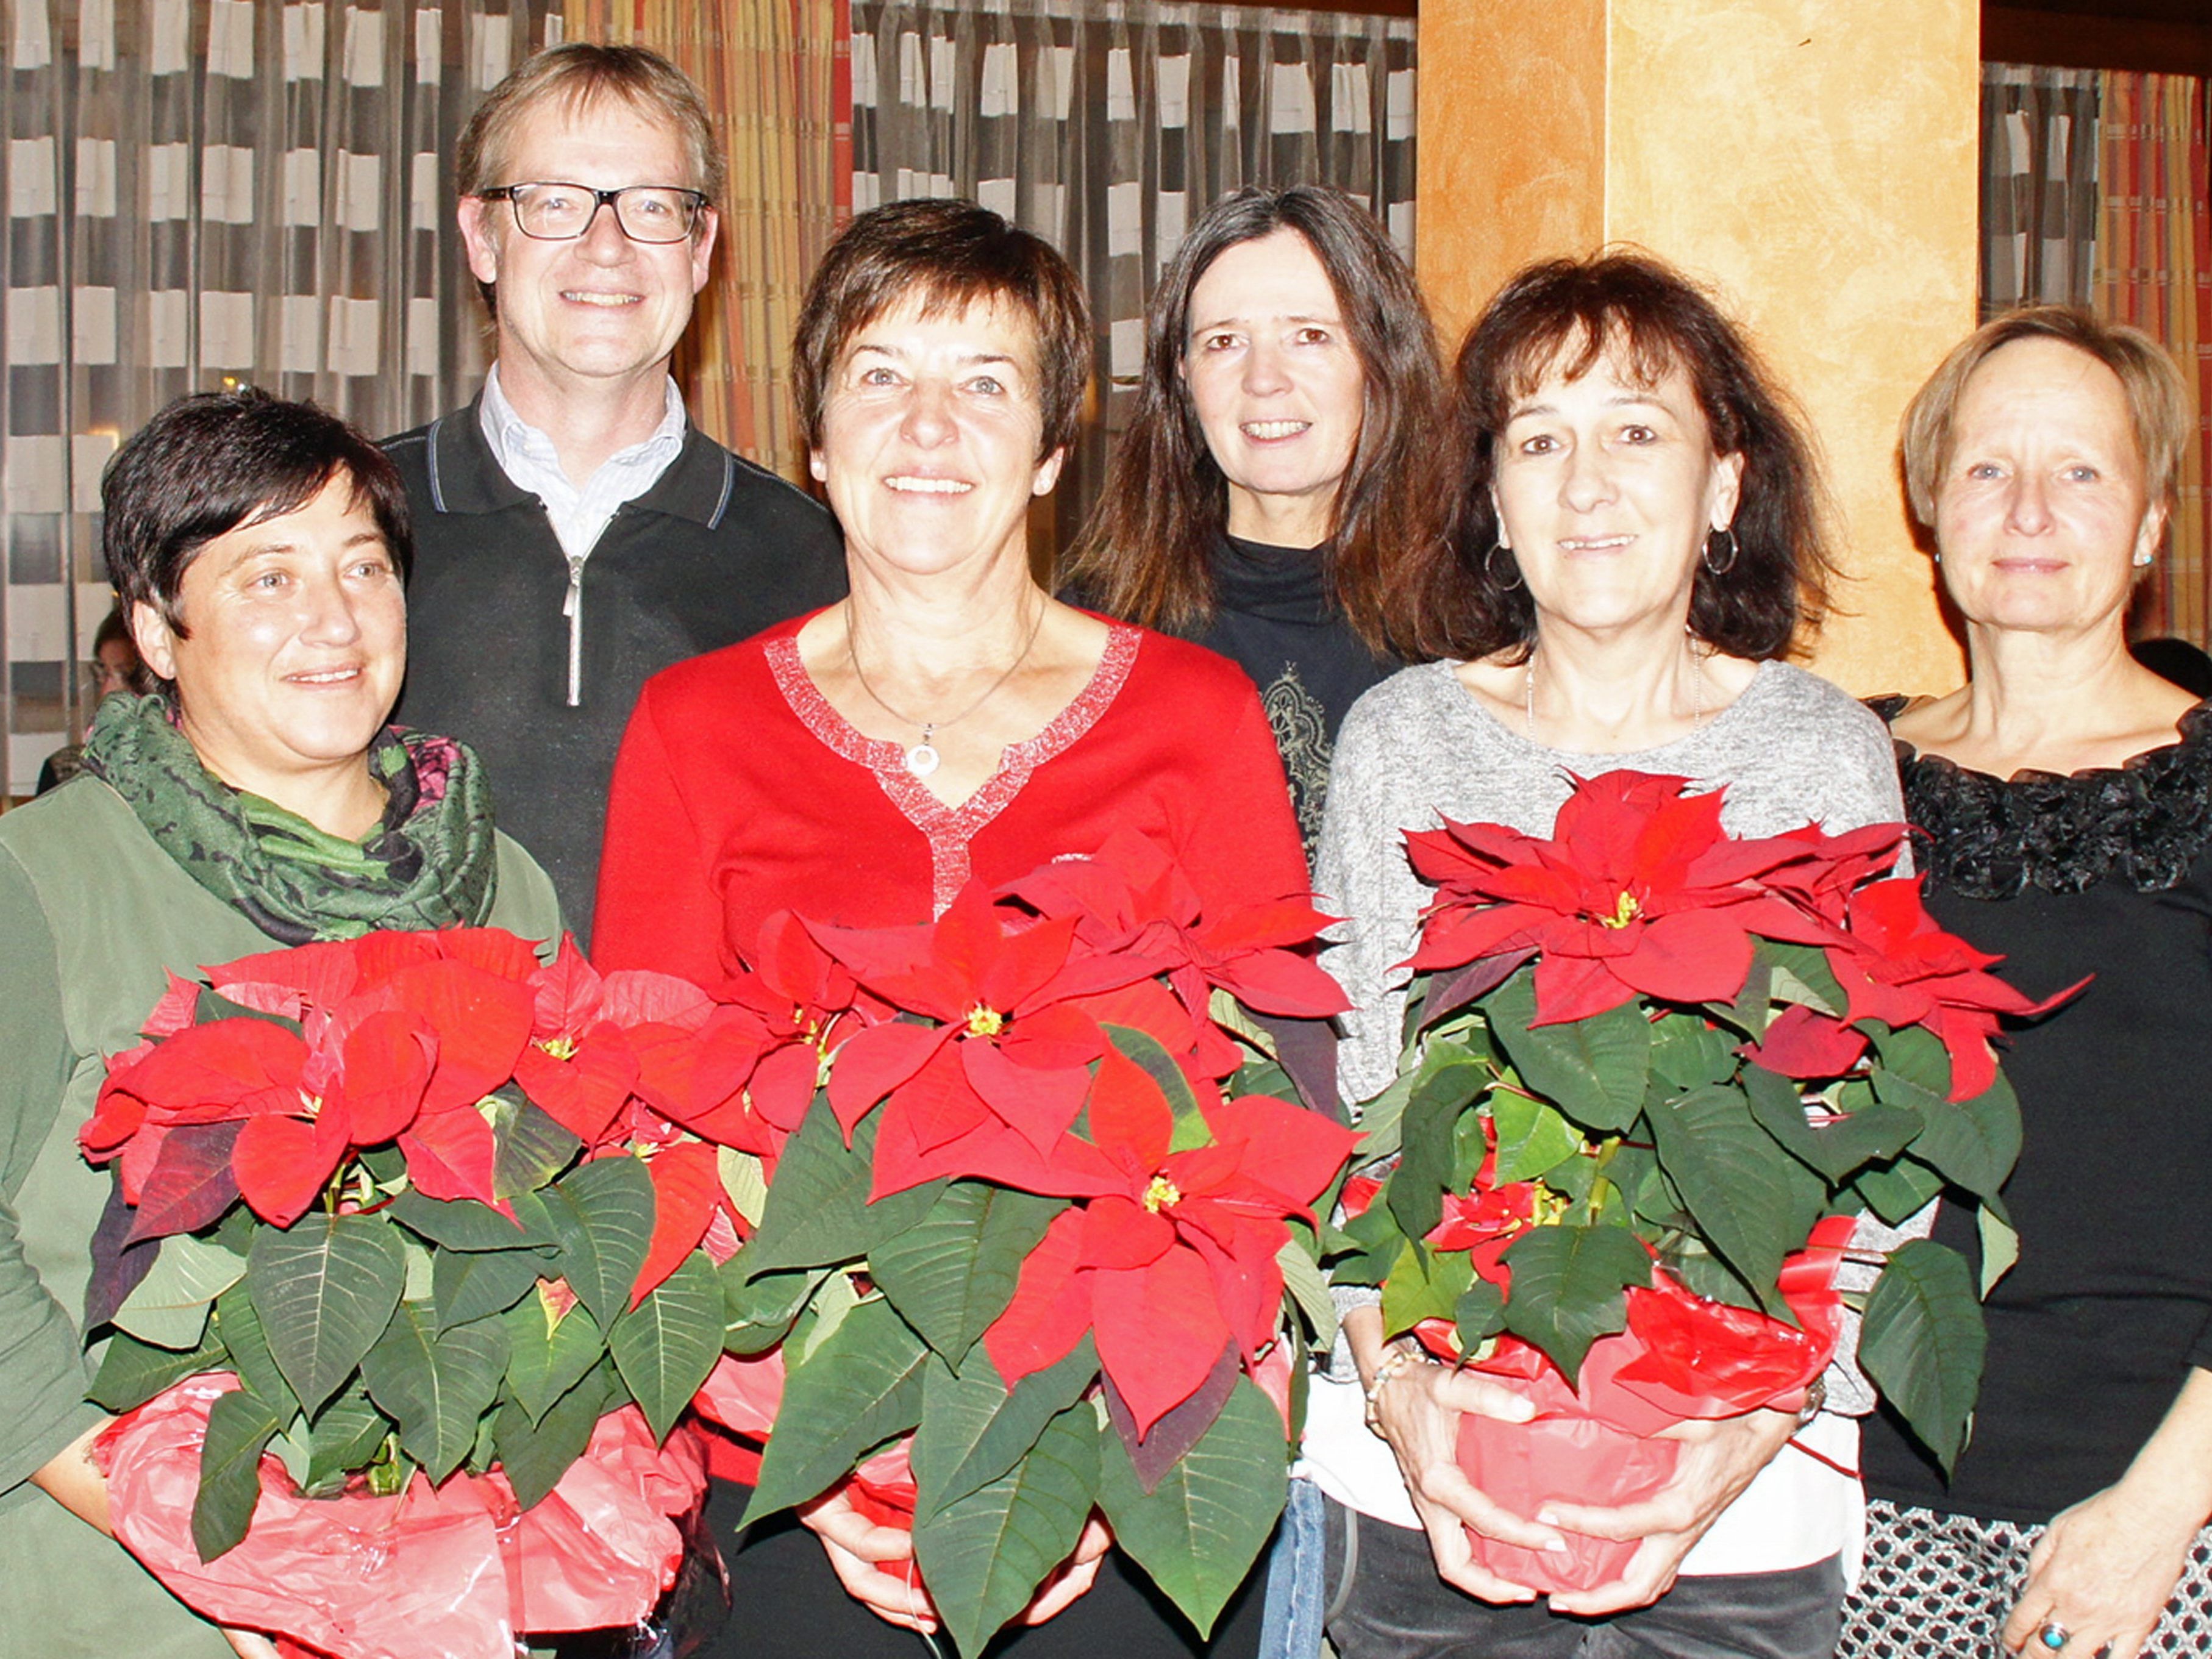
column 1899, row 1190
column 1569, row 1288
column 238, row 1325
column 1912, row 1068
column 665, row 1346
column 240, row 1428
column 953, row 1272
column 535, row 1455
column 342, row 1440
column 1198, row 1531
column 1532, row 1138
column 1689, row 1053
column 974, row 1428
column 462, row 1224
column 435, row 1384
column 603, row 1215
column 1156, row 1062
column 467, row 1285
column 132, row 1373
column 856, row 1390
column 1753, row 1202
column 817, row 1212
column 1424, row 1283
column 1800, row 973
column 1923, row 1343
column 1308, row 1286
column 325, row 1288
column 1443, row 1090
column 983, row 1554
column 1594, row 1069
column 529, row 1145
column 2000, row 1245
column 1875, row 1133
column 547, row 1357
column 169, row 1306
column 1973, row 1144
column 758, row 1313
column 1479, row 1315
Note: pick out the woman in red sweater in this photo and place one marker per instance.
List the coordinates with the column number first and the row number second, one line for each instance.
column 949, row 720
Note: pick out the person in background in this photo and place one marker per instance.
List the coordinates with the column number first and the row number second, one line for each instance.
column 2178, row 661
column 574, row 532
column 258, row 799
column 1283, row 451
column 2062, row 804
column 1640, row 541
column 115, row 669
column 950, row 722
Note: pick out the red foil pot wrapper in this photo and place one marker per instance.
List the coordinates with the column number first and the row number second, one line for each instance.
column 456, row 1571
column 1680, row 1358
column 1567, row 1459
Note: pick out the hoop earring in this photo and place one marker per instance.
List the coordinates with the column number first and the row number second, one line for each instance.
column 1721, row 566
column 1489, row 567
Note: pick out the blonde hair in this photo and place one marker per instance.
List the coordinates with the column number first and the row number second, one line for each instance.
column 578, row 75
column 2159, row 411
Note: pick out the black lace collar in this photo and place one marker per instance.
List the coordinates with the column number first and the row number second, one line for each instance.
column 2146, row 821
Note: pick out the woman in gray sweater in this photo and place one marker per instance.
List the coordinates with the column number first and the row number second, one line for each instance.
column 1639, row 542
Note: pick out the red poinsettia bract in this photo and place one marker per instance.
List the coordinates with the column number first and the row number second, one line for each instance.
column 1169, row 1256
column 1898, row 966
column 1638, row 893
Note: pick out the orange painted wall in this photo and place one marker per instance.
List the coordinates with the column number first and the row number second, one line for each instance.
column 1813, row 161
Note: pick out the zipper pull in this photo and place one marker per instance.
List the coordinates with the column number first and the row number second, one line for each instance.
column 571, row 607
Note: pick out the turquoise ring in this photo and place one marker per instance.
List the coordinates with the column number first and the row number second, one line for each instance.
column 2053, row 1635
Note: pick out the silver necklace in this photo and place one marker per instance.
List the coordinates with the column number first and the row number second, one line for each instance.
column 922, row 758
column 1697, row 693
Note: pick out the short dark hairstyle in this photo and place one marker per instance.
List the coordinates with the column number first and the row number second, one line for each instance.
column 1647, row 318
column 215, row 460
column 1147, row 553
column 948, row 254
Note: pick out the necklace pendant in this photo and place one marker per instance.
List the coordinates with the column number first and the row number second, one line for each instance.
column 922, row 759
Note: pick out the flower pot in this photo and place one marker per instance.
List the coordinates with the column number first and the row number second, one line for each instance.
column 1564, row 1456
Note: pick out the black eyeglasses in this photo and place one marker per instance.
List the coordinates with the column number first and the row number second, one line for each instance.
column 549, row 212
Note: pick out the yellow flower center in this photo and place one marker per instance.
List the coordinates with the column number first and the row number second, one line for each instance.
column 1162, row 1195
column 985, row 1022
column 561, row 1048
column 1624, row 912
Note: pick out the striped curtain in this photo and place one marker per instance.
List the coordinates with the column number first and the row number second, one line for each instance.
column 2154, row 271
column 772, row 71
column 1106, row 127
column 206, row 192
column 2040, row 199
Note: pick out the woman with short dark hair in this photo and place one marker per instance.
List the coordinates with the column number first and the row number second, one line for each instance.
column 949, row 721
column 258, row 798
column 1639, row 542
column 1282, row 456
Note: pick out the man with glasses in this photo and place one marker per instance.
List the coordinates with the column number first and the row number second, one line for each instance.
column 574, row 534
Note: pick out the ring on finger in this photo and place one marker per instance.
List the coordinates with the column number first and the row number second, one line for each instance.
column 2052, row 1635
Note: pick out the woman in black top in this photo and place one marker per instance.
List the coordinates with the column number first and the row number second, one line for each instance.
column 1284, row 450
column 2064, row 801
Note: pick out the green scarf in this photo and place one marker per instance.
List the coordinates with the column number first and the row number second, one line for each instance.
column 430, row 862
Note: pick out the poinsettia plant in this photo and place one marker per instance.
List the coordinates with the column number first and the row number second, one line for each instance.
column 1652, row 1071
column 439, row 1209
column 1025, row 1253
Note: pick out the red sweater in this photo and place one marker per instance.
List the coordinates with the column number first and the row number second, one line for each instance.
column 739, row 792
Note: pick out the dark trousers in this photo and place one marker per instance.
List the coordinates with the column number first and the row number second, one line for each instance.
column 786, row 1603
column 1387, row 1602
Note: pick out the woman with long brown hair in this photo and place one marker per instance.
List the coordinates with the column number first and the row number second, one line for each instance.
column 1282, row 453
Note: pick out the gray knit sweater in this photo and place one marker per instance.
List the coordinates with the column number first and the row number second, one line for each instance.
column 1791, row 750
